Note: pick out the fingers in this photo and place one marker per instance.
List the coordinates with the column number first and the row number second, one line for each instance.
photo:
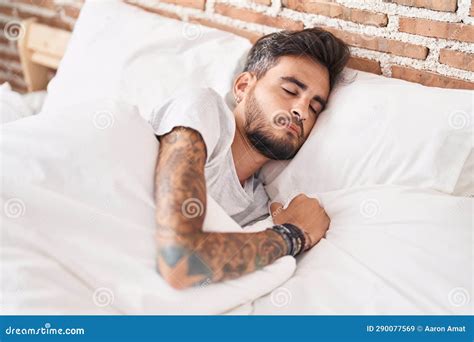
column 315, row 200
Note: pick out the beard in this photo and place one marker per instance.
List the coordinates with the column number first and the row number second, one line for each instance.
column 261, row 133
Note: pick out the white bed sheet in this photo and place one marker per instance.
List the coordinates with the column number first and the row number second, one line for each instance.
column 389, row 250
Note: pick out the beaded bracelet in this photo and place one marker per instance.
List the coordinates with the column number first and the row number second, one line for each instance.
column 299, row 232
column 286, row 236
column 293, row 236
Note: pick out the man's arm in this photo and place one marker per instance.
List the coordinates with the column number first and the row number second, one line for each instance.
column 186, row 255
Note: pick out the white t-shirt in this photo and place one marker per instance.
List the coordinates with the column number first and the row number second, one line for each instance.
column 205, row 111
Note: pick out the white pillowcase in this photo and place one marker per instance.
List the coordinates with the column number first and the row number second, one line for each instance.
column 123, row 52
column 379, row 130
column 465, row 184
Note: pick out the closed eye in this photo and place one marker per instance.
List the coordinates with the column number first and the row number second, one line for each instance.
column 289, row 92
column 315, row 112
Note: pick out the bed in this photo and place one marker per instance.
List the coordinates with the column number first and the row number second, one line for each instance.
column 77, row 183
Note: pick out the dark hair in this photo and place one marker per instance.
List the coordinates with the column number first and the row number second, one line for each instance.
column 315, row 43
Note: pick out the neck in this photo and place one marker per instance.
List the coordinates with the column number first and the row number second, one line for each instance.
column 247, row 159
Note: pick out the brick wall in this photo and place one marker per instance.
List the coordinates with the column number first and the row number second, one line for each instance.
column 425, row 41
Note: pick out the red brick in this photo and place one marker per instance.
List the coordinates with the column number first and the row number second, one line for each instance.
column 259, row 18
column 394, row 47
column 70, row 11
column 457, row 59
column 40, row 3
column 365, row 17
column 3, row 40
column 6, row 10
column 156, row 10
column 429, row 78
column 437, row 29
column 252, row 36
column 15, row 71
column 14, row 66
column 199, row 4
column 437, row 5
column 365, row 64
column 17, row 83
column 334, row 10
column 9, row 57
column 472, row 9
column 54, row 21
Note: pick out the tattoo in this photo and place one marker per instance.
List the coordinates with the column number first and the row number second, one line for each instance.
column 172, row 254
column 186, row 255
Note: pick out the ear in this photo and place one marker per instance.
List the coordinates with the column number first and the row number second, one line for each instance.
column 242, row 84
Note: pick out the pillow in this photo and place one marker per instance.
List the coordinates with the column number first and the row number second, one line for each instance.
column 12, row 104
column 379, row 130
column 78, row 219
column 123, row 52
column 465, row 184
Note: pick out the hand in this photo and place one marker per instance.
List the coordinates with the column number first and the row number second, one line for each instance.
column 305, row 213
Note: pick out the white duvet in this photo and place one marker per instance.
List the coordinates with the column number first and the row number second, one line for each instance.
column 78, row 221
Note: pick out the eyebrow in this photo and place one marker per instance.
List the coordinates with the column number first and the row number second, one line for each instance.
column 303, row 86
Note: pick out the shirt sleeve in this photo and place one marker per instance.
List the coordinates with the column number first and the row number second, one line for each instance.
column 194, row 108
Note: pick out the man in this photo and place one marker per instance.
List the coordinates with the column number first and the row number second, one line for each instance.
column 204, row 146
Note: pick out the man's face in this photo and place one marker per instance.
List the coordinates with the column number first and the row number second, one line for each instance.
column 282, row 107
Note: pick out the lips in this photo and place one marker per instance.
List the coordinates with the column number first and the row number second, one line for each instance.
column 294, row 128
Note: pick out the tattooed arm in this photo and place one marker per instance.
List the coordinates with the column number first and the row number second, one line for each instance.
column 186, row 255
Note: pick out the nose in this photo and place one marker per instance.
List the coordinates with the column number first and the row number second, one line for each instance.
column 300, row 114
